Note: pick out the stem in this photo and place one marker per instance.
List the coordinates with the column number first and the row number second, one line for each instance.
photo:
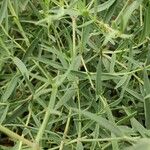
column 27, row 122
column 141, row 19
column 66, row 130
column 18, row 137
column 124, row 7
column 47, row 114
column 73, row 37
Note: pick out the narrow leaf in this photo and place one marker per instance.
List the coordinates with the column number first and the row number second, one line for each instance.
column 147, row 101
column 67, row 96
column 121, row 82
column 10, row 88
column 103, row 6
column 21, row 66
column 3, row 10
column 128, row 12
column 104, row 123
column 99, row 77
column 146, row 31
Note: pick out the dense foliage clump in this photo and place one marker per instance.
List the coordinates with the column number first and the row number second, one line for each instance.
column 74, row 74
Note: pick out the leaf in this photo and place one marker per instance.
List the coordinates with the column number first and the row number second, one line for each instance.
column 85, row 37
column 3, row 10
column 50, row 107
column 95, row 135
column 4, row 114
column 104, row 123
column 33, row 45
column 110, row 11
column 66, row 97
column 134, row 62
column 59, row 54
column 135, row 94
column 17, row 21
column 21, row 66
column 128, row 12
column 10, row 88
column 30, row 85
column 85, row 24
column 79, row 146
column 146, row 31
column 121, row 82
column 135, row 124
column 17, row 113
column 24, row 4
column 48, row 62
column 112, row 63
column 122, row 92
column 103, row 6
column 99, row 77
column 3, row 45
column 147, row 101
column 142, row 143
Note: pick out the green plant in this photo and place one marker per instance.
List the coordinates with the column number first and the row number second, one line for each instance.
column 74, row 74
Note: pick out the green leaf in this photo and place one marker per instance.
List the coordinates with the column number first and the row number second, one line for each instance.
column 79, row 146
column 85, row 38
column 135, row 124
column 112, row 63
column 147, row 101
column 48, row 62
column 122, row 81
column 104, row 123
column 10, row 88
column 21, row 66
column 143, row 144
column 103, row 6
column 95, row 135
column 111, row 11
column 66, row 97
column 4, row 114
column 33, row 45
column 135, row 94
column 146, row 30
column 3, row 10
column 59, row 54
column 85, row 24
column 128, row 12
column 99, row 77
column 17, row 113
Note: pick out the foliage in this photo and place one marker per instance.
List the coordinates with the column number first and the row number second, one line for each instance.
column 74, row 74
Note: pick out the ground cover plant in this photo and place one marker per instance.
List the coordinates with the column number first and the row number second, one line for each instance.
column 74, row 74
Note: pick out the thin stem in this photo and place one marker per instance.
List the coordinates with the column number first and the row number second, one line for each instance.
column 18, row 137
column 141, row 17
column 47, row 114
column 27, row 122
column 73, row 37
column 122, row 10
column 66, row 130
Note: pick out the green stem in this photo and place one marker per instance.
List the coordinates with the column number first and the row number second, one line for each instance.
column 47, row 114
column 18, row 137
